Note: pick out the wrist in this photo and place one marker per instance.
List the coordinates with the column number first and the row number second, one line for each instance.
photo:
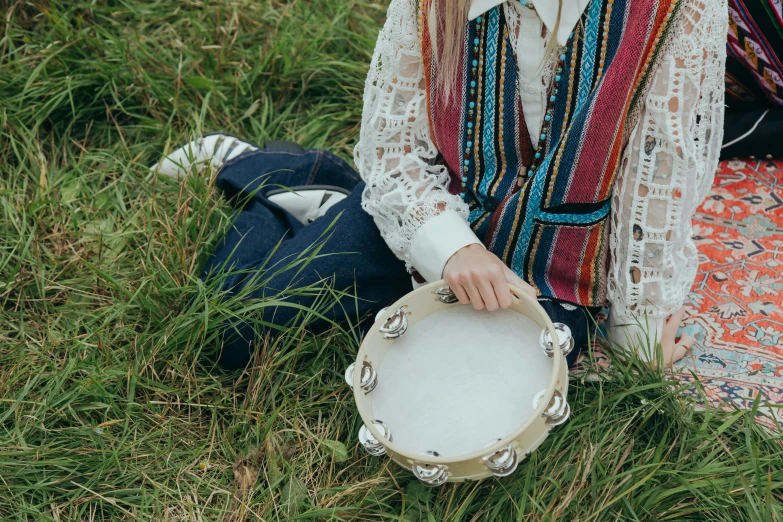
column 436, row 242
column 471, row 247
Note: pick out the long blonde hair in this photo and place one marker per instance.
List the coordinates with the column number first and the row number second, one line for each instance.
column 452, row 30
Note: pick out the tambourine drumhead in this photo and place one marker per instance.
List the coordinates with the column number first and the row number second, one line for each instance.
column 460, row 379
column 457, row 394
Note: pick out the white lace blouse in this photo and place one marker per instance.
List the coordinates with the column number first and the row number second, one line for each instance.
column 666, row 171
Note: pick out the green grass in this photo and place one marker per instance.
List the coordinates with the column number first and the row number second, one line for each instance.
column 109, row 409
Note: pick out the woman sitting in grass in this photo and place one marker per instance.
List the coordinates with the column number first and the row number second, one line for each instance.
column 560, row 146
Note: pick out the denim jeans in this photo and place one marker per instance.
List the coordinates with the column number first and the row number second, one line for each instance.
column 266, row 237
column 354, row 256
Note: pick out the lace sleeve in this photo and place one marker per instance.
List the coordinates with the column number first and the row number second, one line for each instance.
column 395, row 155
column 668, row 167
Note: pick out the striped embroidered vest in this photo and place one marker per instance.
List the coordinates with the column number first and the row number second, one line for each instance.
column 552, row 226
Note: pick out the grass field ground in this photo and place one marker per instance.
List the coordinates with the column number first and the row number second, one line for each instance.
column 109, row 409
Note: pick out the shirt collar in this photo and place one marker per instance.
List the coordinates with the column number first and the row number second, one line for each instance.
column 547, row 11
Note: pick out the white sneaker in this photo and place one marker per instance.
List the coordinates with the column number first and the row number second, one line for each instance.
column 211, row 149
column 306, row 204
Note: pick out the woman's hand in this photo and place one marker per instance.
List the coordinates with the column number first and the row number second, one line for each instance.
column 674, row 351
column 477, row 276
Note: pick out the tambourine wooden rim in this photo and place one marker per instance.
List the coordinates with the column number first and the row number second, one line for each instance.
column 425, row 301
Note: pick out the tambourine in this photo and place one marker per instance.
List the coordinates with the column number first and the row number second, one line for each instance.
column 455, row 394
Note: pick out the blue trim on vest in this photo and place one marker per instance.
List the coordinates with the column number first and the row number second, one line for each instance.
column 488, row 111
column 534, row 212
column 511, row 121
column 475, row 215
column 588, row 55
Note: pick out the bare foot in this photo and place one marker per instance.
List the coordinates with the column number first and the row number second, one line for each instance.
column 673, row 352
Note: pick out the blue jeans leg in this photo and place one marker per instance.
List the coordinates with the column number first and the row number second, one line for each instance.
column 264, row 238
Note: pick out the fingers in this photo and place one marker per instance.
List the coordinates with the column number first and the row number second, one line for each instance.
column 494, row 288
column 672, row 325
column 502, row 291
column 677, row 317
column 462, row 287
column 488, row 294
column 674, row 352
column 480, row 290
column 475, row 296
column 514, row 280
column 460, row 292
column 477, row 276
column 679, row 352
column 683, row 346
column 686, row 341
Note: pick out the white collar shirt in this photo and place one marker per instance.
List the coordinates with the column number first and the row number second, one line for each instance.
column 531, row 27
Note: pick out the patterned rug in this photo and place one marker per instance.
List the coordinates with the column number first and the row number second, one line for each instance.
column 735, row 308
